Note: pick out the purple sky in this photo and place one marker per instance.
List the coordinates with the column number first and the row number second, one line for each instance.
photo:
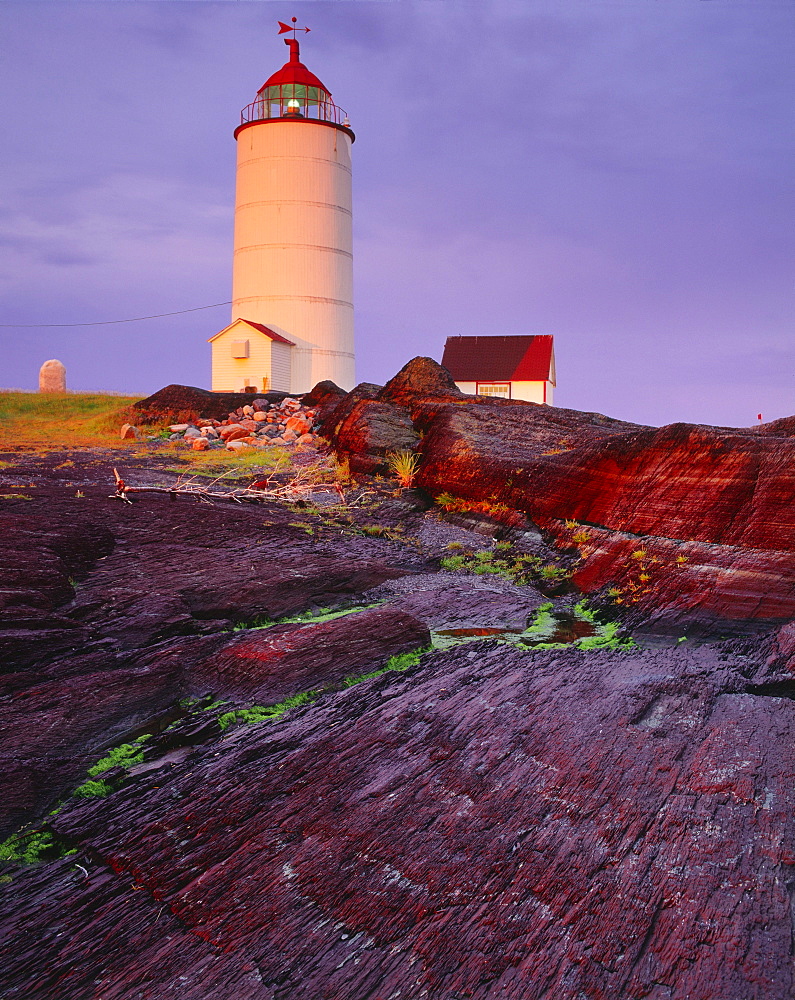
column 618, row 174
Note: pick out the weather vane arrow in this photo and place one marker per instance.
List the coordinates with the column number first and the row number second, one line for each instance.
column 290, row 27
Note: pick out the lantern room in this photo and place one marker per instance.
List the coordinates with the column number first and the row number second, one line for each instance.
column 294, row 92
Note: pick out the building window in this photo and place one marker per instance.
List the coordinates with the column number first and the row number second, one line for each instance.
column 494, row 389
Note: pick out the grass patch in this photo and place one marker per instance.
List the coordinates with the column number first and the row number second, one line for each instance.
column 220, row 463
column 31, row 845
column 48, row 422
column 503, row 560
column 265, row 713
column 401, row 661
column 305, row 618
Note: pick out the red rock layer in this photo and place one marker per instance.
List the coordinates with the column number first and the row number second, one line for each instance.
column 732, row 490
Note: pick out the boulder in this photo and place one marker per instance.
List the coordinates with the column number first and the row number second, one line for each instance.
column 726, row 492
column 129, row 432
column 299, row 425
column 420, row 377
column 200, row 444
column 370, row 431
column 231, row 432
column 275, row 663
column 188, row 399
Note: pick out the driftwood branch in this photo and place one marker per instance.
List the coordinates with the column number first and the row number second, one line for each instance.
column 298, row 488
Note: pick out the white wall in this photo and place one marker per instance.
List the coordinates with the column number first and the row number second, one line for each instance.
column 532, row 392
column 231, row 374
column 293, row 257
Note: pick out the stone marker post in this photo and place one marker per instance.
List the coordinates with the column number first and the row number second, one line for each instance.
column 52, row 377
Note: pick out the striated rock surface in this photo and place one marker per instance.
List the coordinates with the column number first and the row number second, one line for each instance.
column 490, row 820
column 96, row 592
column 275, row 663
column 722, row 498
column 492, row 823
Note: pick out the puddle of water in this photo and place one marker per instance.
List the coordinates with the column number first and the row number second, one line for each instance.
column 568, row 629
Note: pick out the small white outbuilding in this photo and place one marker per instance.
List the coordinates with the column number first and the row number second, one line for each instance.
column 514, row 367
column 248, row 355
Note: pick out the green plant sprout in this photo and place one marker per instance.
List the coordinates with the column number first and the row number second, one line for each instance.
column 404, row 466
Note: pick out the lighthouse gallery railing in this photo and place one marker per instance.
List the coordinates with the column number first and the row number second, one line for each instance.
column 324, row 111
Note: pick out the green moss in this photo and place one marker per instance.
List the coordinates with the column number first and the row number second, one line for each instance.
column 265, row 713
column 401, row 661
column 26, row 847
column 542, row 626
column 306, row 617
column 93, row 790
column 124, row 755
column 502, row 560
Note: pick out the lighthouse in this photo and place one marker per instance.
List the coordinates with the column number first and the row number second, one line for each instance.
column 292, row 273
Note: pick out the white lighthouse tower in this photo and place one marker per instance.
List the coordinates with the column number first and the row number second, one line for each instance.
column 292, row 283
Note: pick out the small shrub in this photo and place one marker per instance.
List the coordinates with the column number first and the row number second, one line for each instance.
column 404, row 466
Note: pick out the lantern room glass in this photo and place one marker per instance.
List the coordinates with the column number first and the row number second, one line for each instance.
column 292, row 100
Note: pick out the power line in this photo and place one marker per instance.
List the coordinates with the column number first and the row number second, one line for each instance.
column 110, row 322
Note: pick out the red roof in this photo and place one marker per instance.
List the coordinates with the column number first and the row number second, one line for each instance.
column 269, row 333
column 500, row 359
column 294, row 71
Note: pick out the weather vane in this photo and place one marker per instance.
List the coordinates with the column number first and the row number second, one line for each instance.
column 290, row 27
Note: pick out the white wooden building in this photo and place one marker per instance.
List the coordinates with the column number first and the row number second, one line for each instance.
column 249, row 355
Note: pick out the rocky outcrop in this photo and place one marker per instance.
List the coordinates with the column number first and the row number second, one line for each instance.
column 189, row 402
column 275, row 663
column 97, row 593
column 301, row 816
column 714, row 505
column 490, row 823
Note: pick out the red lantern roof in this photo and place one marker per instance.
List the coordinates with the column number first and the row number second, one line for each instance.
column 294, row 71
